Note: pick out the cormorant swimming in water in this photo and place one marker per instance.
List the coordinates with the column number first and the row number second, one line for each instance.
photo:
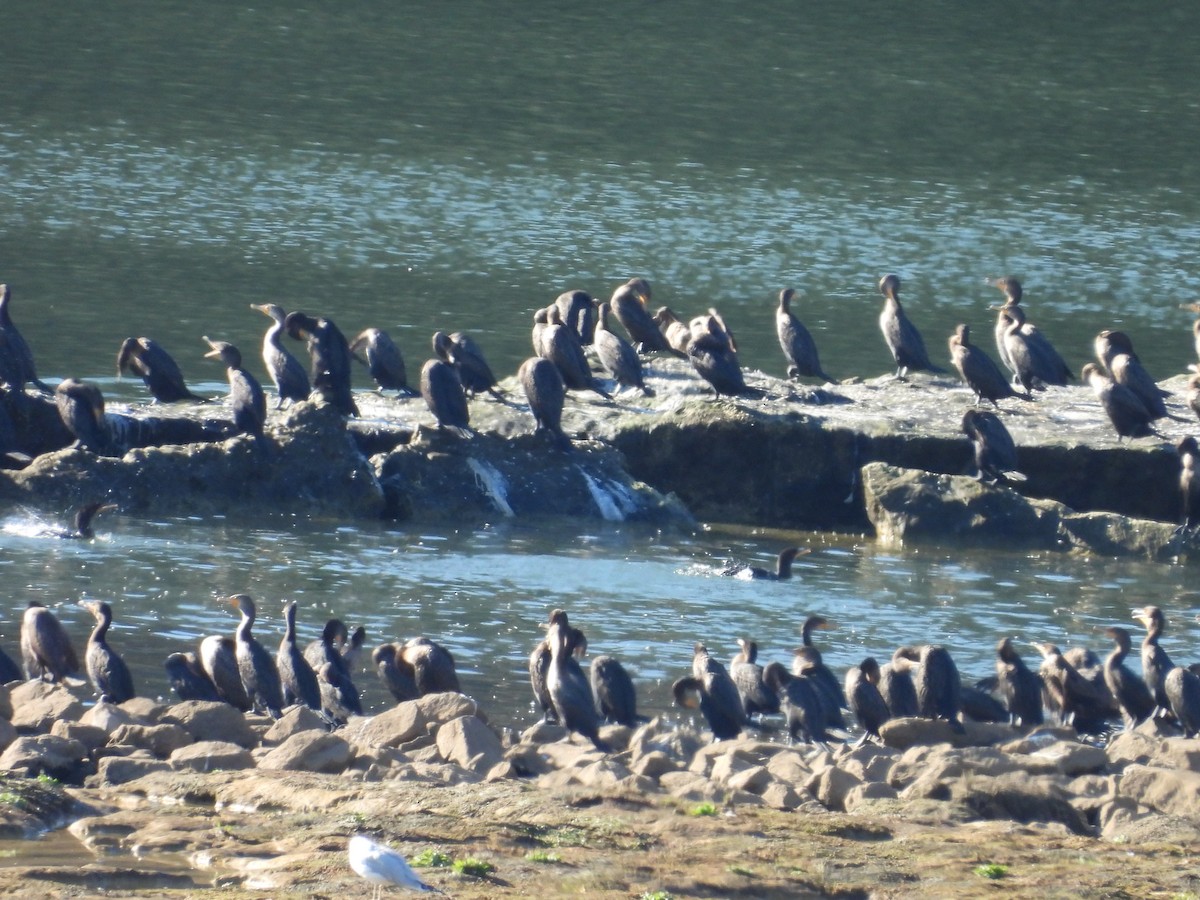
column 81, row 408
column 1130, row 692
column 291, row 381
column 259, row 676
column 747, row 675
column 46, row 651
column 464, row 353
column 1114, row 351
column 544, row 389
column 901, row 335
column 939, row 687
column 16, row 358
column 1039, row 364
column 719, row 701
column 978, row 370
column 330, row 354
column 382, row 357
column 866, row 702
column 443, row 394
column 577, row 311
column 616, row 698
column 801, row 700
column 297, row 680
column 781, row 572
column 246, row 397
column 218, row 659
column 561, row 346
column 148, row 360
column 714, row 358
column 1189, row 482
column 568, row 687
column 1128, row 415
column 995, row 452
column 107, row 671
column 539, row 664
column 796, row 342
column 432, row 666
column 628, row 304
column 81, row 524
column 676, row 332
column 188, row 680
column 396, row 675
column 617, row 355
column 1019, row 686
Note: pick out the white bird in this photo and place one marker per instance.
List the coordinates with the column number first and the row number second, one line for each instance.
column 382, row 865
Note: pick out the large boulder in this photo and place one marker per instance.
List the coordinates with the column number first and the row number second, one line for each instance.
column 309, row 751
column 206, row 720
column 37, row 705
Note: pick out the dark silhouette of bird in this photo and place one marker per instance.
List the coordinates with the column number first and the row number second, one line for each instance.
column 188, row 679
column 796, row 342
column 1155, row 661
column 578, row 312
column 376, row 350
column 899, row 333
column 1129, row 690
column 443, row 394
column 106, row 669
column 977, row 369
column 1114, row 351
column 711, row 689
column 747, row 674
column 81, row 522
column 713, row 356
column 539, row 664
column 617, row 355
column 81, row 408
column 995, row 452
column 1022, row 347
column 260, row 678
column 1019, row 686
column 781, row 572
column 569, row 689
column 16, row 358
column 464, row 353
column 246, row 397
column 800, row 699
column 46, row 650
column 148, row 360
column 291, row 381
column 1128, row 415
column 561, row 346
column 544, row 389
column 897, row 686
column 866, row 701
column 432, row 666
column 613, row 690
column 329, row 353
column 397, row 676
column 938, row 684
column 628, row 304
column 297, row 680
column 1079, row 702
column 676, row 331
column 218, row 659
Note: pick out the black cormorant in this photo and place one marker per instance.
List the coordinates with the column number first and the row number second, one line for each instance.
column 628, row 304
column 257, row 669
column 431, row 664
column 747, row 674
column 1182, row 688
column 616, row 697
column 865, row 699
column 546, row 393
column 396, row 675
column 978, row 370
column 577, row 311
column 539, row 663
column 569, row 690
column 16, row 358
column 897, row 686
column 938, row 685
column 81, row 408
column 218, row 659
column 1079, row 702
column 46, row 651
column 797, row 344
column 106, row 669
column 464, row 353
column 561, row 346
column 443, row 394
column 801, row 701
column 156, row 367
column 330, row 355
column 246, row 397
column 676, row 331
column 81, row 523
column 995, row 452
column 781, row 572
column 324, row 651
column 1128, row 415
column 291, row 381
column 1189, row 482
column 376, row 350
column 617, row 355
column 1114, row 351
column 1041, row 364
column 1019, row 686
column 1130, row 692
column 717, row 694
column 188, row 679
column 1155, row 661
column 712, row 355
column 901, row 335
column 297, row 680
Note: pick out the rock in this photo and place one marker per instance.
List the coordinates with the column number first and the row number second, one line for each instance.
column 687, row 786
column 107, row 717
column 543, row 733
column 391, row 728
column 468, row 742
column 212, row 756
column 728, row 764
column 160, row 740
column 37, row 705
column 6, row 704
column 123, row 769
column 294, row 721
column 48, row 754
column 900, row 734
column 143, row 709
column 208, row 721
column 753, row 780
column 779, row 795
column 1020, row 798
column 1073, row 759
column 654, row 764
column 309, row 751
column 604, row 773
column 442, row 708
column 502, row 770
column 789, row 767
column 1089, row 793
column 869, row 762
column 830, row 785
column 863, row 794
column 1170, row 791
column 91, row 736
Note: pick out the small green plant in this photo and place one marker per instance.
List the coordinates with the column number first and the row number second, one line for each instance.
column 740, row 870
column 704, row 809
column 992, row 871
column 656, row 895
column 543, row 856
column 47, row 779
column 476, row 868
column 11, row 799
column 431, row 859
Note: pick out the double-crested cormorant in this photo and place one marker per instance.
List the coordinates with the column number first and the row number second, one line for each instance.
column 718, row 696
column 443, row 394
column 801, row 700
column 1182, row 688
column 1036, row 363
column 544, row 389
column 561, row 346
column 675, row 330
column 1079, row 702
column 1130, row 692
column 939, row 687
column 1128, row 415
column 747, row 675
column 431, row 664
column 781, row 572
column 578, row 312
column 46, row 651
column 541, row 318
column 81, row 408
column 1019, row 686
column 16, row 358
column 629, row 306
column 291, row 381
column 616, row 698
column 330, row 355
column 539, row 664
column 218, row 659
column 246, row 397
column 396, row 676
column 714, row 358
column 81, row 524
column 259, row 676
column 352, row 649
column 188, row 679
column 901, row 335
column 796, row 342
column 297, row 680
column 336, row 705
column 1189, row 482
column 464, row 353
column 148, row 360
column 897, row 687
column 806, row 663
column 1155, row 661
column 995, row 452
column 107, row 671
column 324, row 651
column 1114, row 351
column 376, row 350
column 865, row 699
column 570, row 692
column 617, row 355
column 977, row 369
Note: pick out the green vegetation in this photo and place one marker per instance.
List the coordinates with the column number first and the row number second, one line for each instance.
column 740, row 870
column 704, row 809
column 992, row 871
column 543, row 856
column 47, row 779
column 431, row 859
column 656, row 895
column 11, row 799
column 476, row 868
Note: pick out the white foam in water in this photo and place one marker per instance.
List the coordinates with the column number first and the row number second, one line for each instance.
column 492, row 483
column 612, row 498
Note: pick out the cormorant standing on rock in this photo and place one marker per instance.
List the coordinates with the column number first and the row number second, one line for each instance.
column 443, row 394
column 676, row 332
column 291, row 381
column 1128, row 415
column 107, row 671
column 781, row 572
column 747, row 674
column 376, row 350
column 1155, row 661
column 81, row 408
column 1019, row 686
column 995, row 452
column 188, row 680
column 1130, row 692
column 259, row 676
column 544, row 389
column 1039, row 364
column 539, row 664
column 16, row 358
column 1080, row 703
column 155, row 366
column 297, row 680
column 617, row 355
column 1182, row 688
column 807, row 664
column 1114, row 351
column 568, row 687
column 1189, row 482
column 323, row 651
column 796, row 342
column 901, row 335
column 561, row 346
column 897, row 687
column 330, row 354
column 396, row 675
column 800, row 699
column 218, row 659
column 718, row 696
column 464, row 353
column 715, row 360
column 978, row 370
column 939, row 687
column 578, row 312
column 629, row 306
column 46, row 651
column 432, row 666
column 246, row 397
column 616, row 698
column 866, row 702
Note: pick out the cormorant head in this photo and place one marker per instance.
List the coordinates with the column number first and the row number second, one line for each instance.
column 889, row 285
column 1011, row 287
column 224, row 351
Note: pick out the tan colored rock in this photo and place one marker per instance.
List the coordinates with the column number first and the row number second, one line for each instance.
column 295, row 720
column 309, row 751
column 1021, row 798
column 527, row 760
column 604, row 773
column 653, row 764
column 688, row 786
column 442, row 708
column 830, row 785
column 753, row 780
column 6, row 704
column 502, row 770
column 1073, row 758
column 779, row 795
column 123, row 769
column 468, row 742
column 212, row 756
column 402, row 723
column 160, row 740
column 616, row 736
column 143, row 709
column 208, row 721
column 868, row 762
column 8, row 733
column 1170, row 791
column 37, row 705
column 868, row 791
column 107, row 717
column 543, row 733
column 789, row 767
column 728, row 764
column 564, row 755
column 90, row 736
column 48, row 754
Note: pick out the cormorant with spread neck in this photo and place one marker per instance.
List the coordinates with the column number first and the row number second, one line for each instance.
column 257, row 669
column 1128, row 415
column 106, row 669
column 291, row 381
column 899, row 333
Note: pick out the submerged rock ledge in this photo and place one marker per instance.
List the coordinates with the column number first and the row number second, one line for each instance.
column 793, row 458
